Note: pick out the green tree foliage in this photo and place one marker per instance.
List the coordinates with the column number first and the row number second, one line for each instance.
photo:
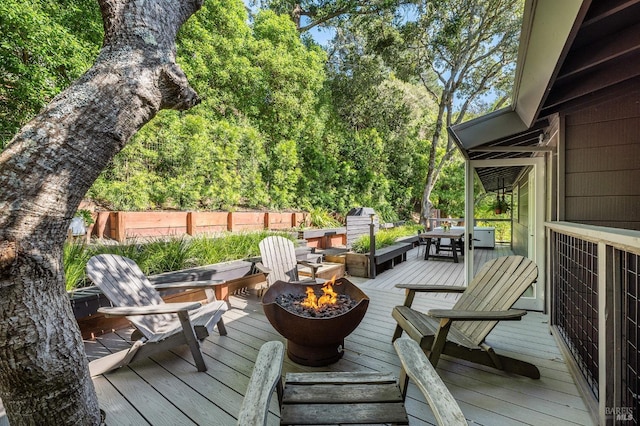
column 448, row 194
column 369, row 101
column 309, row 14
column 45, row 45
column 239, row 147
column 282, row 124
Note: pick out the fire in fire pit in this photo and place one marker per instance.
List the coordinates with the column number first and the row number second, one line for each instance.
column 329, row 304
column 315, row 318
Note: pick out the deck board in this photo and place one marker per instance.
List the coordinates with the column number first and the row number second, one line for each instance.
column 167, row 389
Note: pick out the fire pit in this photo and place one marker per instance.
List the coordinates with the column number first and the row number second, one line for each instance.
column 315, row 336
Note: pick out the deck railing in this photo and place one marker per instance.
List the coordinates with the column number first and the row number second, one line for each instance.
column 503, row 227
column 594, row 311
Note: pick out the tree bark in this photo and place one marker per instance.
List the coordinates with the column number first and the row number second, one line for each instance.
column 44, row 173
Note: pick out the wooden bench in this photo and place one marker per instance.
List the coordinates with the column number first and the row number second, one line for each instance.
column 387, row 257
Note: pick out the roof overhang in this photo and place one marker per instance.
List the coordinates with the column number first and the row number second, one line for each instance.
column 548, row 29
column 483, row 130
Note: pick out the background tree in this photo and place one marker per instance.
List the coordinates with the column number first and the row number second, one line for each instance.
column 367, row 95
column 470, row 46
column 241, row 146
column 278, row 127
column 45, row 46
column 44, row 173
column 308, row 14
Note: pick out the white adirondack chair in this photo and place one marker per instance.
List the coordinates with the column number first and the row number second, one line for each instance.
column 279, row 262
column 159, row 325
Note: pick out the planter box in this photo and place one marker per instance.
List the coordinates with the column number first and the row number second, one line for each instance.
column 325, row 237
column 357, row 264
column 336, row 258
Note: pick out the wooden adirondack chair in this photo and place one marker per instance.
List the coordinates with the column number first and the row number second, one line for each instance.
column 279, row 262
column 460, row 332
column 378, row 395
column 159, row 325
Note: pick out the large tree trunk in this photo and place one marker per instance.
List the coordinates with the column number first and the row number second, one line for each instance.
column 44, row 174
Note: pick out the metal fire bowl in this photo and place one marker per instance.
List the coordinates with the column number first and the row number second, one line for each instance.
column 314, row 335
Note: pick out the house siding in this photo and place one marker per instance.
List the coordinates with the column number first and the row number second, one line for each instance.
column 602, row 163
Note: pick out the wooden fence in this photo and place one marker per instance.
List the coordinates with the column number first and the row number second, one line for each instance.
column 122, row 225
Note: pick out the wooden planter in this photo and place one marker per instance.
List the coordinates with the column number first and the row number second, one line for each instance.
column 324, row 238
column 357, row 264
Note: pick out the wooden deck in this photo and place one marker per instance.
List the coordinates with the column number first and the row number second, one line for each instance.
column 167, row 390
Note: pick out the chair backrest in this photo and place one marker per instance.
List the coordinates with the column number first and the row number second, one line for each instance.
column 279, row 255
column 124, row 284
column 265, row 378
column 496, row 287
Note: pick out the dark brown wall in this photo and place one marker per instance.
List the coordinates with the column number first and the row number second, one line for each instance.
column 602, row 163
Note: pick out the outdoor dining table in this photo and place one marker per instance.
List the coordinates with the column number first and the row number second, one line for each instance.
column 456, row 243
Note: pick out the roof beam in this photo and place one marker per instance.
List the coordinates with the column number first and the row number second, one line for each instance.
column 512, row 149
column 605, row 49
column 615, row 72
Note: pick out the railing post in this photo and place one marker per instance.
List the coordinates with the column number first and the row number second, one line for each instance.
column 372, row 248
column 604, row 272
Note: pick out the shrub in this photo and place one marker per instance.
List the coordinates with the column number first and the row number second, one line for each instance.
column 158, row 256
column 323, row 219
column 384, row 237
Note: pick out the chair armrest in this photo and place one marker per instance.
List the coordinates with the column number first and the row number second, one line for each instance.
column 165, row 308
column 266, row 376
column 510, row 315
column 433, row 288
column 313, row 266
column 418, row 368
column 260, row 267
column 412, row 289
column 189, row 285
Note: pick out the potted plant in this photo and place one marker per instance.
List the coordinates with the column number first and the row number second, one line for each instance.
column 500, row 205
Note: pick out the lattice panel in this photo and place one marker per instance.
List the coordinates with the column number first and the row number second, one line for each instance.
column 575, row 289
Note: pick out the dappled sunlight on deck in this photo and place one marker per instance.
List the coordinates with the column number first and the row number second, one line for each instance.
column 168, row 390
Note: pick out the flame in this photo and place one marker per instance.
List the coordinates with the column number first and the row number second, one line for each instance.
column 329, row 296
column 311, row 301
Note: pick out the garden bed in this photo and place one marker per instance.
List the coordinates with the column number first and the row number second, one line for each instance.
column 357, row 264
column 325, row 237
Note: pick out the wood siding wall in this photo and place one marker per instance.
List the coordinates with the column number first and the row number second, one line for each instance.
column 602, row 163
